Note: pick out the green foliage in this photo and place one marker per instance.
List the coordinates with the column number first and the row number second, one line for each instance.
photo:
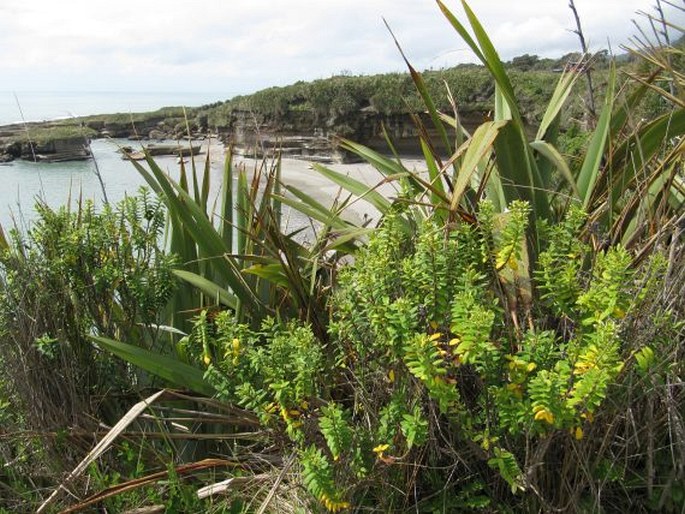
column 505, row 463
column 83, row 272
column 390, row 94
column 437, row 334
column 335, row 429
column 74, row 274
column 414, row 428
column 63, row 131
column 560, row 264
column 317, row 476
column 492, row 345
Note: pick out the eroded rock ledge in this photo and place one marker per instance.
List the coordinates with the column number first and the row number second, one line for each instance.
column 298, row 135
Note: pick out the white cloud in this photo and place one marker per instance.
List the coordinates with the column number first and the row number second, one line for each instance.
column 244, row 45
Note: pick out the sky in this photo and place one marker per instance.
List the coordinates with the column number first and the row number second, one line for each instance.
column 239, row 46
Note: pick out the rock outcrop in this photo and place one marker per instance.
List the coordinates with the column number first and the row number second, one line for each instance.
column 300, row 134
column 44, row 142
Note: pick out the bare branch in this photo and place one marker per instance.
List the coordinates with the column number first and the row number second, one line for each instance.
column 590, row 100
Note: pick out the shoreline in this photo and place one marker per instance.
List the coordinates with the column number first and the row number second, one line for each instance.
column 300, row 174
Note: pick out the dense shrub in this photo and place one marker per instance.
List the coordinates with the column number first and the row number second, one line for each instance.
column 439, row 362
column 76, row 273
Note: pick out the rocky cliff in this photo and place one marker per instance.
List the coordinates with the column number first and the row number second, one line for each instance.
column 50, row 142
column 302, row 134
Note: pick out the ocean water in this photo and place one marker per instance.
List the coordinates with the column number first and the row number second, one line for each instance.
column 16, row 106
column 24, row 182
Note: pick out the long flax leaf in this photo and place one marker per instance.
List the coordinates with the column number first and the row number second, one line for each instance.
column 486, row 53
column 556, row 103
column 480, row 145
column 357, row 188
column 168, row 368
column 435, row 177
column 638, row 150
column 425, row 95
column 589, row 172
column 226, row 209
column 201, row 232
column 209, row 288
column 557, row 160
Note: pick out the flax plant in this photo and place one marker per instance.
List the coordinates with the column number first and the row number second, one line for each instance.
column 540, row 302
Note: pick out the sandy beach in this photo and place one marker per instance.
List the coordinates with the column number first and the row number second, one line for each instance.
column 301, row 174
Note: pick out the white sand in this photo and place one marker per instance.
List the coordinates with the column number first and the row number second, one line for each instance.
column 300, row 174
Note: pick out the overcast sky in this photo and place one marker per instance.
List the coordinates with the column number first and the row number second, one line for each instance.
column 240, row 46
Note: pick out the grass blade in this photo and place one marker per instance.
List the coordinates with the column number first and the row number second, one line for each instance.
column 102, row 446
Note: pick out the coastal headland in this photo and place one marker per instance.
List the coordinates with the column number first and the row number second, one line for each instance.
column 304, row 120
column 298, row 136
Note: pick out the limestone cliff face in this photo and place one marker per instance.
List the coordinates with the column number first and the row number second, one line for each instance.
column 302, row 134
column 149, row 127
column 44, row 145
column 56, row 150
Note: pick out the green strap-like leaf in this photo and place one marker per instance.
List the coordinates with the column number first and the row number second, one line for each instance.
column 356, row 187
column 550, row 153
column 480, row 145
column 589, row 172
column 272, row 272
column 485, row 51
column 558, row 100
column 209, row 288
column 226, row 213
column 174, row 371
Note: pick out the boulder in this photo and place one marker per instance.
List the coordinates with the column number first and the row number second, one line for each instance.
column 157, row 134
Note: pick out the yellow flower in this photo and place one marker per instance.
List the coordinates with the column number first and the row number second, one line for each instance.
column 455, row 341
column 516, row 390
column 381, row 448
column 235, row 350
column 332, row 504
column 578, row 433
column 391, row 376
column 543, row 414
column 435, row 336
column 583, row 367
